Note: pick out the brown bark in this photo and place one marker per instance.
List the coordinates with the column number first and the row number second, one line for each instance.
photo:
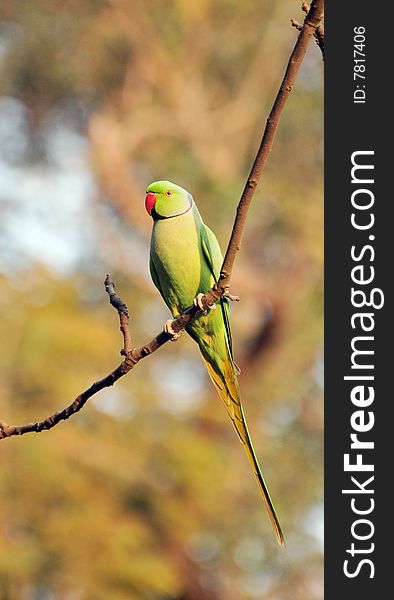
column 319, row 32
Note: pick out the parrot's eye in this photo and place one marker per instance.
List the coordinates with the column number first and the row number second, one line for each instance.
column 168, row 193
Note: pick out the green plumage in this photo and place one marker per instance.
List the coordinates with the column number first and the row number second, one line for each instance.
column 185, row 260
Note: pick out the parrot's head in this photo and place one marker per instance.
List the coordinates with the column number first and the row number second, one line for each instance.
column 164, row 200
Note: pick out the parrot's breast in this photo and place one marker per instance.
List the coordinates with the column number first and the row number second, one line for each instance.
column 178, row 260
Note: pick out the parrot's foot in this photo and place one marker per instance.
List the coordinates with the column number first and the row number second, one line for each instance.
column 168, row 329
column 231, row 297
column 198, row 302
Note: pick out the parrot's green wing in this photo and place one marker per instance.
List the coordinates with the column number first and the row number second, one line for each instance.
column 214, row 259
column 155, row 278
column 211, row 249
column 154, row 275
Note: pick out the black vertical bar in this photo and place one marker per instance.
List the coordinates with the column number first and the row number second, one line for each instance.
column 364, row 125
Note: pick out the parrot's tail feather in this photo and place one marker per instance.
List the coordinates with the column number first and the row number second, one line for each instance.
column 227, row 387
column 265, row 493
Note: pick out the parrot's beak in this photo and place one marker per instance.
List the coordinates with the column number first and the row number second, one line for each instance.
column 150, row 201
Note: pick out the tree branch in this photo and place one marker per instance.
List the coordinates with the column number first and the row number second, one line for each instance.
column 134, row 355
column 311, row 23
column 319, row 33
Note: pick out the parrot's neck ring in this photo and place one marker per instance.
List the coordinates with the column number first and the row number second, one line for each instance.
column 158, row 217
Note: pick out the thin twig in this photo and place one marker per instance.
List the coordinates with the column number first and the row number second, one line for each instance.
column 319, row 33
column 123, row 313
column 134, row 355
column 80, row 401
column 311, row 23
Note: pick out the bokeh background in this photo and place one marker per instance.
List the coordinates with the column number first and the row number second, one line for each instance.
column 147, row 494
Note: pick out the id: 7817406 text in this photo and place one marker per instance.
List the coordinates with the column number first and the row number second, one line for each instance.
column 359, row 68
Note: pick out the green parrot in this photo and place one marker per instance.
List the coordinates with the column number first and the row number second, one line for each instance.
column 185, row 261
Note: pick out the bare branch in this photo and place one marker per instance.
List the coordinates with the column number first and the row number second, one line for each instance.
column 311, row 23
column 123, row 313
column 319, row 33
column 134, row 355
column 80, row 401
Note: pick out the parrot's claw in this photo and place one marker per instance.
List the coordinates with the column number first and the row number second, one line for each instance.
column 198, row 302
column 169, row 330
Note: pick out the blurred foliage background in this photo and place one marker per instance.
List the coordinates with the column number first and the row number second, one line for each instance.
column 147, row 493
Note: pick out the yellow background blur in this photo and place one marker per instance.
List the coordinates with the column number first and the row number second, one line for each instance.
column 147, row 494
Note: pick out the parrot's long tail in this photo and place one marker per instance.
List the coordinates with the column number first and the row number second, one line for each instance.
column 227, row 387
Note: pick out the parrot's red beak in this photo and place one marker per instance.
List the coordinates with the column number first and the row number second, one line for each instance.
column 150, row 201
